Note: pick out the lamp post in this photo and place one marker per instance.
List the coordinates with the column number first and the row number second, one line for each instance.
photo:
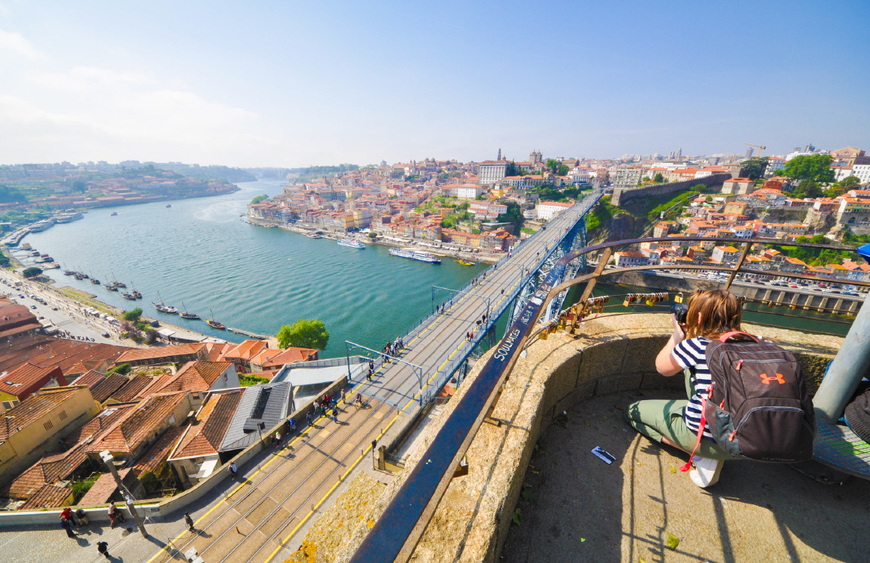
column 109, row 461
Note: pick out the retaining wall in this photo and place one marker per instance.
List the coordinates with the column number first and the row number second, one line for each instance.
column 620, row 195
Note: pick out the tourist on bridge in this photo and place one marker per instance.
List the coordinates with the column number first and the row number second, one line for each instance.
column 308, row 418
column 233, row 470
column 189, row 521
column 676, row 422
column 292, row 424
column 335, row 416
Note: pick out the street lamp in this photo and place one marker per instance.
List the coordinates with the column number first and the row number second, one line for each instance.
column 109, row 461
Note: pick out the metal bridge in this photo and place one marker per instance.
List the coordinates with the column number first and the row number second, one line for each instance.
column 439, row 347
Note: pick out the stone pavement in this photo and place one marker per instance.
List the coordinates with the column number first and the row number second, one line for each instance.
column 574, row 507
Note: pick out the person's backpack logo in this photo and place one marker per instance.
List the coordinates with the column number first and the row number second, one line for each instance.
column 766, row 379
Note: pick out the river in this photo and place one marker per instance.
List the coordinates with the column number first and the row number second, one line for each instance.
column 200, row 255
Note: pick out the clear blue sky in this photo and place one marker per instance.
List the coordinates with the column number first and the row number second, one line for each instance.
column 285, row 83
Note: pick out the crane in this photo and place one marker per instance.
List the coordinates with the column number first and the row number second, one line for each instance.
column 759, row 147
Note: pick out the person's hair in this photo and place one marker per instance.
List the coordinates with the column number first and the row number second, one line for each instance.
column 720, row 313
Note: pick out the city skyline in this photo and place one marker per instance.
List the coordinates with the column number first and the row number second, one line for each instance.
column 308, row 84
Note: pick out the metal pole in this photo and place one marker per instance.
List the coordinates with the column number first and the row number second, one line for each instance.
column 845, row 372
column 109, row 461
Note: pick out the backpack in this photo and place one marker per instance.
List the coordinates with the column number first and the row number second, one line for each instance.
column 757, row 406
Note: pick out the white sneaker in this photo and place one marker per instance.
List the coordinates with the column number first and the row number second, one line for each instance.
column 706, row 472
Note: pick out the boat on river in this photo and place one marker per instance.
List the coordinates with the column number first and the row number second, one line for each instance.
column 464, row 263
column 188, row 315
column 95, row 281
column 214, row 324
column 164, row 308
column 111, row 286
column 128, row 296
column 350, row 243
column 415, row 255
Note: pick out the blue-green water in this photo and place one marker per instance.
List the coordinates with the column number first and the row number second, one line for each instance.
column 200, row 255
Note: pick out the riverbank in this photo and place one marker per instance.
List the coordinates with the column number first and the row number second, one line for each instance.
column 443, row 249
column 77, row 314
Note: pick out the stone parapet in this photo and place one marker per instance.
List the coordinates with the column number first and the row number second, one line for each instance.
column 613, row 353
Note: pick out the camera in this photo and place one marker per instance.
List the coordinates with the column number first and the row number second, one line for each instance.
column 680, row 311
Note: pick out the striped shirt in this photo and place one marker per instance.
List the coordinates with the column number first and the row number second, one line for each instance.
column 691, row 354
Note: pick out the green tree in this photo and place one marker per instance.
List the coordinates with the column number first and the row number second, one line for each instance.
column 132, row 316
column 304, row 333
column 31, row 272
column 4, row 260
column 754, row 168
column 511, row 169
column 659, row 179
column 513, row 215
column 259, row 198
column 815, row 167
column 553, row 165
column 563, row 170
column 843, row 186
column 807, row 188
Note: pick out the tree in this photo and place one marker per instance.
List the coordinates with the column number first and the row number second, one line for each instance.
column 563, row 170
column 259, row 198
column 815, row 167
column 513, row 215
column 659, row 179
column 31, row 272
column 843, row 186
column 511, row 169
column 553, row 165
column 807, row 188
column 754, row 168
column 132, row 316
column 304, row 334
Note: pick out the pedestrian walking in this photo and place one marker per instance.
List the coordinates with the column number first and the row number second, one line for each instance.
column 369, row 375
column 103, row 548
column 308, row 418
column 292, row 425
column 335, row 416
column 65, row 524
column 233, row 470
column 189, row 521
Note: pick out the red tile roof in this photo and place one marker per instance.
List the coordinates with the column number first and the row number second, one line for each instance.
column 105, row 388
column 196, row 376
column 130, row 390
column 245, row 350
column 28, row 378
column 289, row 356
column 48, row 496
column 156, row 455
column 33, row 407
column 164, row 352
column 204, row 436
column 69, row 355
column 46, row 471
column 89, row 378
column 138, row 425
column 99, row 424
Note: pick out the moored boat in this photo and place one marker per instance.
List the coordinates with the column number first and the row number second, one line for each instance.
column 214, row 324
column 128, row 297
column 185, row 314
column 350, row 243
column 415, row 255
column 164, row 308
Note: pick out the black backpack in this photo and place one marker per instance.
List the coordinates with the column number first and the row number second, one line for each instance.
column 758, row 406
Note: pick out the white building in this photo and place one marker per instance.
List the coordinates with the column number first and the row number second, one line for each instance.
column 546, row 210
column 466, row 191
column 627, row 177
column 491, row 171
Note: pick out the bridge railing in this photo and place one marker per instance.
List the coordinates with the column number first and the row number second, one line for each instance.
column 397, row 531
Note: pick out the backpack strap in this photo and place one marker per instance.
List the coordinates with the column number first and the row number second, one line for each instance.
column 701, row 425
column 726, row 336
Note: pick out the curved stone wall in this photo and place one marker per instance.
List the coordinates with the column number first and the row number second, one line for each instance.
column 614, row 353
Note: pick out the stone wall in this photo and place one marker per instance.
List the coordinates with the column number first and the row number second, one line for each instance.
column 614, row 353
column 621, row 195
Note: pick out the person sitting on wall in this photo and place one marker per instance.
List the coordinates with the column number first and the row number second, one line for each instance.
column 675, row 422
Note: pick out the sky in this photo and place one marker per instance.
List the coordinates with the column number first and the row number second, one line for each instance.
column 287, row 83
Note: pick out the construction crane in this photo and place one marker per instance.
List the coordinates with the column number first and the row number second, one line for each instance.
column 759, row 147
